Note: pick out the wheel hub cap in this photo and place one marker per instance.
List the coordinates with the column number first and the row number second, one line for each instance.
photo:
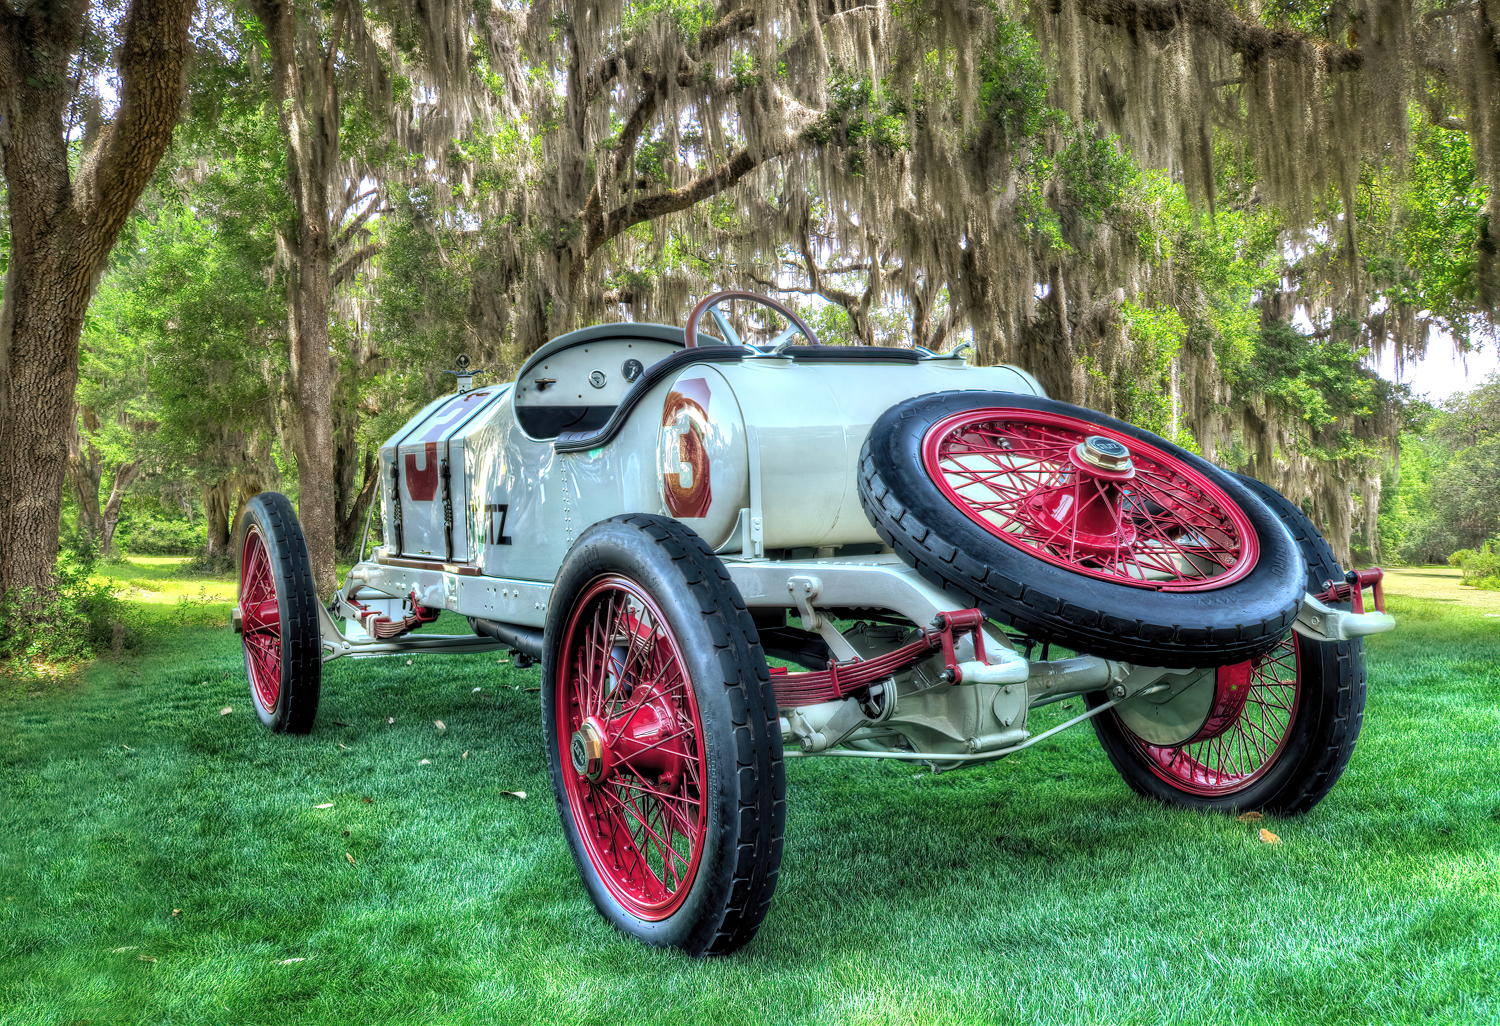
column 1099, row 453
column 588, row 751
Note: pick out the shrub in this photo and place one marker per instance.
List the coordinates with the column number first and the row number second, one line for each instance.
column 1481, row 566
column 81, row 620
column 148, row 533
column 220, row 565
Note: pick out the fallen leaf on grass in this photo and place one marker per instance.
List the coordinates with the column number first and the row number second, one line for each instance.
column 177, row 911
column 464, row 756
column 289, row 961
column 368, row 801
column 121, row 951
column 531, row 689
column 1249, row 817
column 439, row 724
column 146, row 958
column 425, row 762
column 226, row 710
column 325, row 805
column 350, row 858
column 1268, row 837
column 518, row 794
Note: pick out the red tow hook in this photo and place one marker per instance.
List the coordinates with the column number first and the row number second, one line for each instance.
column 1353, row 587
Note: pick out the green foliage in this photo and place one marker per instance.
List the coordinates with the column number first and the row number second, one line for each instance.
column 1421, row 230
column 862, row 118
column 1409, row 526
column 1156, row 335
column 831, row 324
column 82, row 620
column 155, row 532
column 1446, row 496
column 1467, row 490
column 1221, row 266
column 690, row 17
column 1481, row 567
column 1320, row 379
column 1013, row 83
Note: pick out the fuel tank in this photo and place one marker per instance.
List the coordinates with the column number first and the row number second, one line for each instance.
column 780, row 439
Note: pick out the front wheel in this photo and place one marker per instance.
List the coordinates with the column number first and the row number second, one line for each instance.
column 278, row 616
column 663, row 737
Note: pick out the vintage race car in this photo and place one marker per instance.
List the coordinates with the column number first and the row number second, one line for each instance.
column 726, row 554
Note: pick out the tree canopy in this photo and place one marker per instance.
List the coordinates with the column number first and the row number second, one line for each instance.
column 1200, row 215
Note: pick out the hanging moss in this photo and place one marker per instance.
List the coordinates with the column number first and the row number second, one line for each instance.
column 977, row 167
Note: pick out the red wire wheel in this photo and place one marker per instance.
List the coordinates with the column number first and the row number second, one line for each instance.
column 1079, row 529
column 1281, row 728
column 277, row 616
column 261, row 621
column 1090, row 500
column 663, row 736
column 1231, row 752
column 635, row 748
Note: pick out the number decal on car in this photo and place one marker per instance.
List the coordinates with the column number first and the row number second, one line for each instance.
column 683, row 452
column 422, row 484
column 495, row 523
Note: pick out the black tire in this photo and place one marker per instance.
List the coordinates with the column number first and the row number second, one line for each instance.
column 648, row 592
column 1317, row 743
column 284, row 659
column 1205, row 626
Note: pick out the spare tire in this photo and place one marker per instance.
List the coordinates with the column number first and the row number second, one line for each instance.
column 1077, row 528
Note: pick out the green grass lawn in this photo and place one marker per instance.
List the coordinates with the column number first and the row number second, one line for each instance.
column 163, row 863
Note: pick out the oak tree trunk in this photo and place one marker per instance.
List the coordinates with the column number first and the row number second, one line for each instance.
column 216, row 517
column 111, row 517
column 61, row 233
column 305, row 87
column 86, row 472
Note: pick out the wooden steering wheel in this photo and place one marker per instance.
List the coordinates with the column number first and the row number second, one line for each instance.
column 711, row 303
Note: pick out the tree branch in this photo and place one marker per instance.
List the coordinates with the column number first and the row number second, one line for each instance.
column 374, row 207
column 712, row 36
column 153, row 58
column 652, row 207
column 351, row 264
column 1251, row 41
column 1439, row 115
column 732, row 24
column 798, row 289
column 335, row 37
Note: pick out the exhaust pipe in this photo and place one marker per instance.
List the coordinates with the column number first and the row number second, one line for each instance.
column 527, row 641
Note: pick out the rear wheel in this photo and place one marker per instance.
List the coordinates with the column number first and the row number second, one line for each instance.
column 278, row 616
column 1271, row 733
column 663, row 737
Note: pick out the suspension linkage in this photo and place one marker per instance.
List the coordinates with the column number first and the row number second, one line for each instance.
column 841, row 680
